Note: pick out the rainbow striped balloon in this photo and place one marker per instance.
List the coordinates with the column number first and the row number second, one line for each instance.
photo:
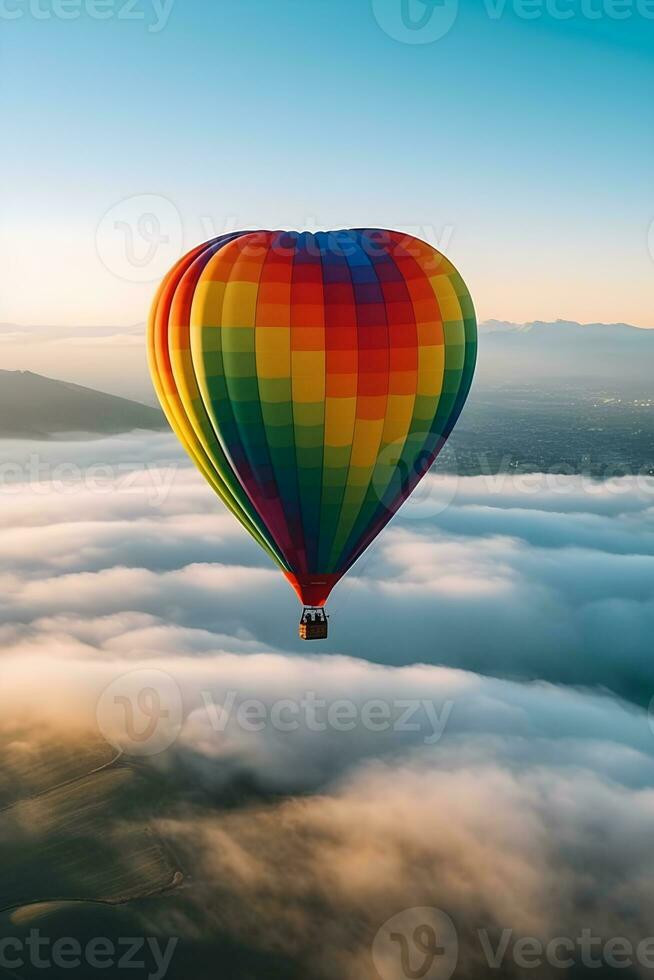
column 313, row 379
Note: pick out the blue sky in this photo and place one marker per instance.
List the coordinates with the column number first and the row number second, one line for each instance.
column 521, row 146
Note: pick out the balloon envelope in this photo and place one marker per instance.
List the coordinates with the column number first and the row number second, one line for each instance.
column 313, row 379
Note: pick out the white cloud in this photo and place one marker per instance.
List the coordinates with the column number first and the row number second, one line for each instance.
column 555, row 584
column 510, row 803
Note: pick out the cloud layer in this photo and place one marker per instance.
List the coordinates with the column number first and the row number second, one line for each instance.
column 527, row 577
column 473, row 738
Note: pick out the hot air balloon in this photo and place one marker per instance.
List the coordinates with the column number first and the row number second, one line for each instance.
column 313, row 379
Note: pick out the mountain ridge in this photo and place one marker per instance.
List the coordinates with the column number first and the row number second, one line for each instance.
column 38, row 407
column 574, row 327
column 561, row 350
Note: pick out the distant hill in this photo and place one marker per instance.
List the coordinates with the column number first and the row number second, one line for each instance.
column 561, row 352
column 564, row 350
column 34, row 407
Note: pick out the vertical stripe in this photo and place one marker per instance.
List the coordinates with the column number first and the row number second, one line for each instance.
column 273, row 369
column 372, row 391
column 341, row 374
column 308, row 387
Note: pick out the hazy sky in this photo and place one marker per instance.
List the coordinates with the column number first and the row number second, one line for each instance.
column 521, row 145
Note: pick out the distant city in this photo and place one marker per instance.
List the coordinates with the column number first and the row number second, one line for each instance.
column 601, row 429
